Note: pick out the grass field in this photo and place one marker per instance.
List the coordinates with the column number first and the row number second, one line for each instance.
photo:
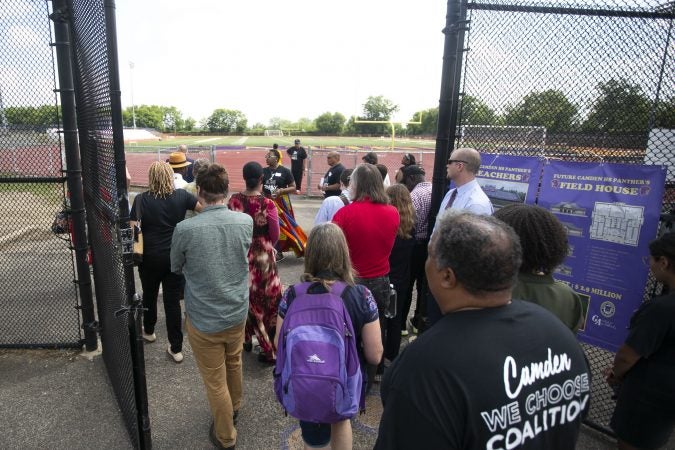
column 287, row 141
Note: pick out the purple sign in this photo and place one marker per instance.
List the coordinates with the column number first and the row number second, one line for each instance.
column 611, row 212
column 509, row 179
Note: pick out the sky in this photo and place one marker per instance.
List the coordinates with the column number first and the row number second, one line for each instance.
column 288, row 59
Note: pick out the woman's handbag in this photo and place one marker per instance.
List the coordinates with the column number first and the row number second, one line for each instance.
column 138, row 234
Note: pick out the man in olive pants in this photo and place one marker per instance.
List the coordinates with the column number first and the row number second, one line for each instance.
column 211, row 250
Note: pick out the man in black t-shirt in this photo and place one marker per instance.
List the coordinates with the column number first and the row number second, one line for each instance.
column 331, row 180
column 298, row 156
column 492, row 373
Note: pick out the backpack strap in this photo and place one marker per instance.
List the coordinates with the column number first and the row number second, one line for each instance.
column 339, row 288
column 344, row 199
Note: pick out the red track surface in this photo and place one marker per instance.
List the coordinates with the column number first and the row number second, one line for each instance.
column 46, row 162
column 234, row 161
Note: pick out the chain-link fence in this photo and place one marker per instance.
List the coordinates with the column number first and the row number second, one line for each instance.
column 39, row 304
column 99, row 122
column 582, row 81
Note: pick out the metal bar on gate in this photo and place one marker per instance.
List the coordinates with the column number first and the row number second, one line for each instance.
column 573, row 11
column 455, row 27
column 33, row 180
column 74, row 171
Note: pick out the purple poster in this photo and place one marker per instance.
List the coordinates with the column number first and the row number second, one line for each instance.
column 611, row 212
column 509, row 179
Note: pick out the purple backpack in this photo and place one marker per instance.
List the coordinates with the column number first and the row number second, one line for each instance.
column 318, row 377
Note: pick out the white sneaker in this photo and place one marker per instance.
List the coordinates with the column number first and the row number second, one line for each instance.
column 177, row 357
column 149, row 337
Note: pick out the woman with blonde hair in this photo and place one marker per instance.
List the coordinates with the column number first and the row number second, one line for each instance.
column 157, row 211
column 327, row 261
column 399, row 268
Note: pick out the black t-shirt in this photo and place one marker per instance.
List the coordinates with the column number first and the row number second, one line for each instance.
column 159, row 217
column 487, row 378
column 652, row 336
column 297, row 156
column 278, row 178
column 332, row 177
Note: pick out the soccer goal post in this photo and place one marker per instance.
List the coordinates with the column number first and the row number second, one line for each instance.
column 274, row 133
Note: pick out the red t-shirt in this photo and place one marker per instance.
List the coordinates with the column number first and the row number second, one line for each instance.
column 370, row 229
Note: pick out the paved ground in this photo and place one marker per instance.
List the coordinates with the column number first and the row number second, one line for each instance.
column 59, row 400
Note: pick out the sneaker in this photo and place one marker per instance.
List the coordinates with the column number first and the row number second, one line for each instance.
column 404, row 332
column 412, row 327
column 214, row 439
column 280, row 256
column 177, row 357
column 152, row 337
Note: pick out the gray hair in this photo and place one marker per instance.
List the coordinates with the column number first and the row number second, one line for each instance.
column 198, row 165
column 483, row 252
column 183, row 148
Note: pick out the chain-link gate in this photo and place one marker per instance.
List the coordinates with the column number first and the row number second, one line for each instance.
column 99, row 122
column 40, row 302
column 589, row 81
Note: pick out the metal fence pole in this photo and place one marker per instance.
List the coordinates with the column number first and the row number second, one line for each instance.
column 74, row 170
column 309, row 171
column 455, row 26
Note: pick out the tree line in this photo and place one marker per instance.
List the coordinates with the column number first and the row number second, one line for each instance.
column 620, row 107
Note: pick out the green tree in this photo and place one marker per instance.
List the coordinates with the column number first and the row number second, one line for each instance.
column 376, row 108
column 37, row 116
column 227, row 120
column 550, row 109
column 328, row 123
column 621, row 107
column 429, row 122
column 665, row 114
column 277, row 123
column 476, row 112
column 159, row 117
column 189, row 124
column 305, row 124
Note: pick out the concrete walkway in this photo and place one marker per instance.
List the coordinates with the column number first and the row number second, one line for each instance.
column 59, row 400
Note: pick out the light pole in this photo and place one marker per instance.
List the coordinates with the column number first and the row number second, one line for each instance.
column 133, row 108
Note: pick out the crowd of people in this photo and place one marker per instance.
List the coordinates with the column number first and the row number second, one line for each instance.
column 496, row 363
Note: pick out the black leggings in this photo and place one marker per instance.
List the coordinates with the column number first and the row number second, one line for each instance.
column 154, row 270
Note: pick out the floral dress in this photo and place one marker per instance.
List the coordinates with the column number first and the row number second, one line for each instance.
column 264, row 283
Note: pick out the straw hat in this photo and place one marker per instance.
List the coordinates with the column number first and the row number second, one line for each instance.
column 178, row 160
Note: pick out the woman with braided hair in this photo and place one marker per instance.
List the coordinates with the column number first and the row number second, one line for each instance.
column 544, row 241
column 157, row 211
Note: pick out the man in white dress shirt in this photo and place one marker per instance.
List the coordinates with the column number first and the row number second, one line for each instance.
column 467, row 195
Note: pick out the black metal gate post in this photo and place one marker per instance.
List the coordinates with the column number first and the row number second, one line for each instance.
column 74, row 170
column 134, row 300
column 455, row 26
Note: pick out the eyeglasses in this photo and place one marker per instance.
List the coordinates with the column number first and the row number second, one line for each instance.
column 450, row 161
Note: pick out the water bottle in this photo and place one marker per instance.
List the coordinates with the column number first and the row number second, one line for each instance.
column 390, row 308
